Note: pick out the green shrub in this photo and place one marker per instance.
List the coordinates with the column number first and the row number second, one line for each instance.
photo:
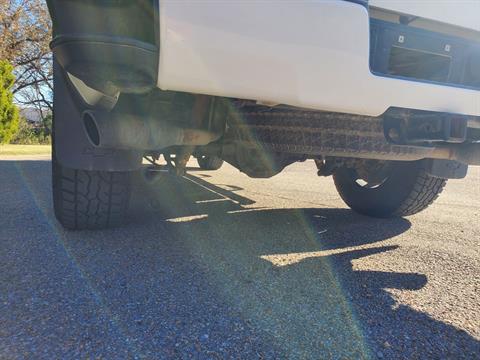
column 8, row 111
column 28, row 134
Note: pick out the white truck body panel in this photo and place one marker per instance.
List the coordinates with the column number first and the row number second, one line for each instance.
column 301, row 53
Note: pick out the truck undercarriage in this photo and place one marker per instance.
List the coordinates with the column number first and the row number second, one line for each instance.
column 404, row 155
column 240, row 131
column 389, row 109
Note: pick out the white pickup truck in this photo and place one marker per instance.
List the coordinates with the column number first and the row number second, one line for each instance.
column 383, row 95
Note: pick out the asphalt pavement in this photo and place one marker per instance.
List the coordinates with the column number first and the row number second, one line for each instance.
column 219, row 266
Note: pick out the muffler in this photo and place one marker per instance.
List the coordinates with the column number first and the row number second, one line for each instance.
column 131, row 132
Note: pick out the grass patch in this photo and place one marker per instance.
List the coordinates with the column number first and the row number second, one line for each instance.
column 25, row 150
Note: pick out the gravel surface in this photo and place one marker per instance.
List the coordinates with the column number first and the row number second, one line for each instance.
column 217, row 265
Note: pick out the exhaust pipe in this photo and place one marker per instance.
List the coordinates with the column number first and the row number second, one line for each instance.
column 130, row 132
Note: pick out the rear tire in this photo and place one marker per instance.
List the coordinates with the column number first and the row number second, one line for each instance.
column 209, row 162
column 89, row 199
column 407, row 190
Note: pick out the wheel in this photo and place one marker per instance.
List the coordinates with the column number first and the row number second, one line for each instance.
column 209, row 162
column 388, row 189
column 89, row 199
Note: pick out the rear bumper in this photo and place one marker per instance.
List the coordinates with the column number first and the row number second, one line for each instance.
column 312, row 55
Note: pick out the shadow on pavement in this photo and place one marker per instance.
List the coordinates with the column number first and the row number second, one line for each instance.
column 200, row 259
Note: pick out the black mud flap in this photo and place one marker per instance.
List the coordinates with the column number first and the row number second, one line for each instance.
column 73, row 148
column 446, row 169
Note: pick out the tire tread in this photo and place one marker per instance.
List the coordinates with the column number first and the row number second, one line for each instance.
column 210, row 162
column 89, row 199
column 426, row 190
column 396, row 199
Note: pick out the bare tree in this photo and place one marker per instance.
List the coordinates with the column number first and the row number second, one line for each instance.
column 25, row 33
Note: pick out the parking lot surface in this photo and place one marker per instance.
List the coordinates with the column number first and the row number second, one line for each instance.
column 216, row 265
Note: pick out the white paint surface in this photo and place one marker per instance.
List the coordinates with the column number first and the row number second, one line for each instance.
column 312, row 54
